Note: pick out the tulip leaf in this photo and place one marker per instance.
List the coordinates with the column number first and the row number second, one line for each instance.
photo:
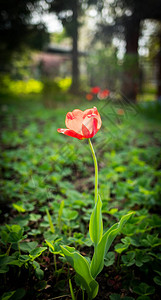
column 96, row 224
column 101, row 249
column 82, row 269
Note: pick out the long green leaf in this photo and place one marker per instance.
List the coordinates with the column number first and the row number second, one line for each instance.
column 82, row 269
column 50, row 221
column 60, row 214
column 96, row 224
column 101, row 249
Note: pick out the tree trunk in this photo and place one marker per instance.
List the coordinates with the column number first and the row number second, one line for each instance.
column 130, row 81
column 159, row 71
column 75, row 64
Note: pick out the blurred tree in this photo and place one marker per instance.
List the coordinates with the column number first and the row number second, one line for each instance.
column 127, row 16
column 59, row 37
column 104, row 59
column 17, row 30
column 154, row 47
column 69, row 11
column 159, row 68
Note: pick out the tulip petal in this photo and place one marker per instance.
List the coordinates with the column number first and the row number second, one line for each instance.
column 92, row 121
column 93, row 112
column 71, row 133
column 95, row 126
column 74, row 121
column 86, row 132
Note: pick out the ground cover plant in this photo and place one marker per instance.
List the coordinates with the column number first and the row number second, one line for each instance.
column 47, row 192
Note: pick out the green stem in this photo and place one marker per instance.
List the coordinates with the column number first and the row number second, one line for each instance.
column 82, row 294
column 55, row 263
column 96, row 170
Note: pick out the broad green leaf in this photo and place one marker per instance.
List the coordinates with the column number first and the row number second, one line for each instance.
column 119, row 248
column 15, row 263
column 37, row 252
column 4, row 269
column 6, row 260
column 109, row 258
column 141, row 258
column 28, row 246
column 14, row 295
column 157, row 280
column 24, row 258
column 4, row 236
column 70, row 214
column 129, row 259
column 7, row 295
column 39, row 273
column 15, row 237
column 104, row 245
column 34, row 217
column 144, row 289
column 82, row 269
column 13, row 228
column 15, row 233
column 54, row 248
column 115, row 297
column 96, row 224
column 19, row 208
column 19, row 294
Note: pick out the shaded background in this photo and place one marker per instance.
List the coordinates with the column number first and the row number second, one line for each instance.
column 113, row 44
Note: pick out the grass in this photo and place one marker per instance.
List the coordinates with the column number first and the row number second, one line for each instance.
column 47, row 191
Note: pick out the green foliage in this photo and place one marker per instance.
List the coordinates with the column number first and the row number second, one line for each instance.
column 43, row 170
column 104, row 245
column 21, row 32
column 144, row 289
column 96, row 224
column 14, row 295
column 58, row 37
column 82, row 268
column 106, row 61
column 109, row 258
column 64, row 83
column 18, row 87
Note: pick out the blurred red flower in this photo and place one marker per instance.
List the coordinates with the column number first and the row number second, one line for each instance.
column 95, row 90
column 120, row 112
column 89, row 97
column 82, row 124
column 103, row 94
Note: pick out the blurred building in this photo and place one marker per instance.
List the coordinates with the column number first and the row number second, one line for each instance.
column 54, row 61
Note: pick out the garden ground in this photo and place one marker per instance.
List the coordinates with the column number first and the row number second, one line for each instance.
column 47, row 191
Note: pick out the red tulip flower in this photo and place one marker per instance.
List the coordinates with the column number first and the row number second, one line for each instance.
column 95, row 90
column 82, row 124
